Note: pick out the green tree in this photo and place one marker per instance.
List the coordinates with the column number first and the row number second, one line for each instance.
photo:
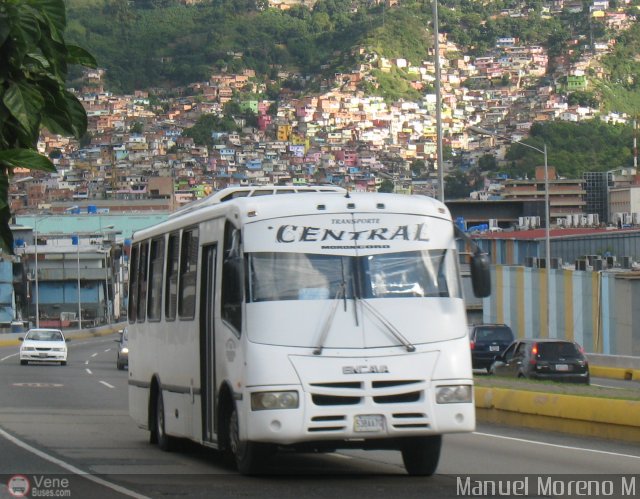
column 137, row 127
column 457, row 186
column 386, row 186
column 35, row 61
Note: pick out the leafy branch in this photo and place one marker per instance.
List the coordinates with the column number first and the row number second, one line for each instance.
column 35, row 60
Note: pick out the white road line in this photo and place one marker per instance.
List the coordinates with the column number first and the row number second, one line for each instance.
column 95, row 354
column 107, row 384
column 8, row 357
column 86, row 362
column 70, row 467
column 89, row 371
column 107, row 350
column 606, row 386
column 557, row 446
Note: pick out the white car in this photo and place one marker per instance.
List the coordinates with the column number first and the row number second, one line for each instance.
column 43, row 345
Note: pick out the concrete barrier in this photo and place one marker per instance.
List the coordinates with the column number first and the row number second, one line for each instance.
column 11, row 339
column 579, row 415
column 614, row 366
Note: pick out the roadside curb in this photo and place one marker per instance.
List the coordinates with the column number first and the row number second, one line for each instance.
column 624, row 373
column 579, row 415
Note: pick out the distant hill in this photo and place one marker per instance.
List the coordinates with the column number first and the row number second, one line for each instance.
column 164, row 43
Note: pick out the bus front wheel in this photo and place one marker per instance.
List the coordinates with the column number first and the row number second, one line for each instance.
column 420, row 455
column 164, row 441
column 249, row 457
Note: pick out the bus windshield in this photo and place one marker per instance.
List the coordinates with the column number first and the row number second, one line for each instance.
column 308, row 276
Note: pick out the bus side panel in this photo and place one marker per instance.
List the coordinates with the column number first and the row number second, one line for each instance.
column 138, row 403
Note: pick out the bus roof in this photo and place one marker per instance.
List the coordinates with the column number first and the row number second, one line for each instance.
column 251, row 209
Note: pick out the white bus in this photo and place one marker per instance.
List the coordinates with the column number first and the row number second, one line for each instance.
column 313, row 322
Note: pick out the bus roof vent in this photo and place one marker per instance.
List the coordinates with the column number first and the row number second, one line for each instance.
column 351, row 206
column 380, row 206
column 253, row 191
column 322, row 207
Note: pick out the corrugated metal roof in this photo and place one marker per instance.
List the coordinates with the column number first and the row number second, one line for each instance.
column 536, row 234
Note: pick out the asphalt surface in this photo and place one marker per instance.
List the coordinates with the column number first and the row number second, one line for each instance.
column 70, row 421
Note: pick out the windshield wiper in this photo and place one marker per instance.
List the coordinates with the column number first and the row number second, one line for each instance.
column 390, row 327
column 340, row 293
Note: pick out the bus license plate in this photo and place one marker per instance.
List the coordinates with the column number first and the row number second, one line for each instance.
column 371, row 423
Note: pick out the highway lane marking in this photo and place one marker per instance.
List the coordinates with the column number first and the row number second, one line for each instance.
column 94, row 355
column 107, row 350
column 558, row 446
column 39, row 385
column 86, row 362
column 70, row 467
column 607, row 386
column 107, row 384
column 8, row 357
column 89, row 371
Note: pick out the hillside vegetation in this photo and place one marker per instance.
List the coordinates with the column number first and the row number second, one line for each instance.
column 162, row 43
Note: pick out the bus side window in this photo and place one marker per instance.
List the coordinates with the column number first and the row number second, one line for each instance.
column 232, row 278
column 156, row 261
column 188, row 274
column 142, row 282
column 171, row 291
column 133, row 283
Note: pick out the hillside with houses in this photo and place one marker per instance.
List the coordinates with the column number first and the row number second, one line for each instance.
column 347, row 132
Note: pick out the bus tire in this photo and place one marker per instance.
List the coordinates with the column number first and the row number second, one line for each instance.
column 420, row 455
column 249, row 457
column 165, row 442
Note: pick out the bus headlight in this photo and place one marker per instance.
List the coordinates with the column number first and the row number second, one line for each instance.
column 261, row 401
column 455, row 394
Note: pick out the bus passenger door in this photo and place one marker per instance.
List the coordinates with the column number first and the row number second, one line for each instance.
column 207, row 342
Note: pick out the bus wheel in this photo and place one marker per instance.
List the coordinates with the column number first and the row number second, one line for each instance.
column 420, row 455
column 165, row 442
column 249, row 457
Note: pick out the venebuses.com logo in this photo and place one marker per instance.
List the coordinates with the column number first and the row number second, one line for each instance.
column 38, row 486
column 19, row 486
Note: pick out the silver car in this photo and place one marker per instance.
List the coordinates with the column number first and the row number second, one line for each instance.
column 122, row 360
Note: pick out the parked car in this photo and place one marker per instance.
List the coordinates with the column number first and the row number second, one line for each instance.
column 549, row 359
column 488, row 341
column 43, row 345
column 122, row 360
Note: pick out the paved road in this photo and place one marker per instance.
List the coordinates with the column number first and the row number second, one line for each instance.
column 58, row 422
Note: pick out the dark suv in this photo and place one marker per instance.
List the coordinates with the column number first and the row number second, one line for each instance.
column 549, row 359
column 487, row 341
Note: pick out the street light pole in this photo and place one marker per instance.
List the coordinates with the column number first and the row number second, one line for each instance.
column 547, row 222
column 107, row 268
column 36, row 276
column 79, row 297
column 436, row 48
